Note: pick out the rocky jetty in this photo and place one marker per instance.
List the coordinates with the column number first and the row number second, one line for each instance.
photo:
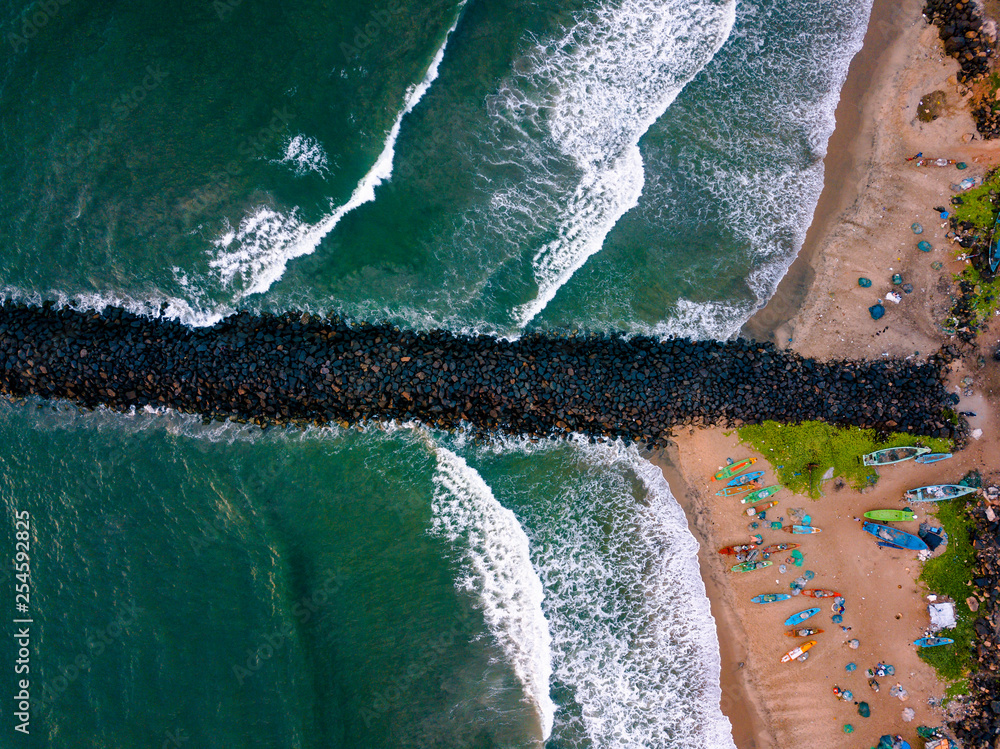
column 295, row 368
column 980, row 725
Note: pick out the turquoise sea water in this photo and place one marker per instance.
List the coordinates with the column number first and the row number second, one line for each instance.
column 646, row 165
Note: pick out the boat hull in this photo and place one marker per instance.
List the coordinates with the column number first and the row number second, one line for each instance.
column 770, row 598
column 800, row 617
column 937, row 492
column 732, row 491
column 891, row 516
column 775, row 548
column 750, row 566
column 760, row 494
column 801, row 530
column 803, row 632
column 932, row 642
column 888, row 534
column 794, row 653
column 820, row 593
column 735, row 468
column 892, row 455
column 737, row 549
column 746, row 478
column 751, row 511
column 932, row 457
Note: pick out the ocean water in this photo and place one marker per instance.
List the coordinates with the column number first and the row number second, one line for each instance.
column 639, row 165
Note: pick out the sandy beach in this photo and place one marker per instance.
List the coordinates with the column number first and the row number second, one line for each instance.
column 861, row 228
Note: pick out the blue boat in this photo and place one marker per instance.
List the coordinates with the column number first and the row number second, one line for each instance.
column 800, row 617
column 770, row 597
column 888, row 535
column 933, row 457
column 746, row 478
column 995, row 249
column 932, row 642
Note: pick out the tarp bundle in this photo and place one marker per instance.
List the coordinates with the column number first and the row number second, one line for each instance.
column 942, row 615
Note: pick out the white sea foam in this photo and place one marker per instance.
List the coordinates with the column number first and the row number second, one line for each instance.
column 634, row 645
column 304, row 154
column 760, row 157
column 594, row 93
column 259, row 250
column 497, row 571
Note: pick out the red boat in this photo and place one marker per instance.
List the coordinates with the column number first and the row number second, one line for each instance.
column 730, row 550
column 820, row 593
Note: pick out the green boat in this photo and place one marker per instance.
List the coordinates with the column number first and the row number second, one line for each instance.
column 892, row 455
column 891, row 516
column 937, row 492
column 750, row 566
column 731, row 470
column 760, row 494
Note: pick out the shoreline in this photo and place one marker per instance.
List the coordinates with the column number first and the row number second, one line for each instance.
column 844, row 169
column 860, row 227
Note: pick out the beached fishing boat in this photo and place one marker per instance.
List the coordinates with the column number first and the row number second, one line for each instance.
column 761, row 494
column 891, row 516
column 937, row 492
column 895, row 536
column 932, row 642
column 794, row 653
column 751, row 511
column 820, row 593
column 737, row 549
column 775, row 548
column 750, row 566
column 932, row 457
column 746, row 478
column 892, row 455
column 770, row 597
column 803, row 632
column 735, row 468
column 731, row 491
column 800, row 617
column 995, row 249
column 802, row 530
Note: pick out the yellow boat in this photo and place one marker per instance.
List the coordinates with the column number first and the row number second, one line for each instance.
column 794, row 653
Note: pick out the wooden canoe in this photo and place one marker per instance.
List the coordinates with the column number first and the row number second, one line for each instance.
column 735, row 468
column 803, row 632
column 932, row 457
column 888, row 534
column 937, row 492
column 796, row 619
column 775, row 548
column 746, row 478
column 891, row 516
column 750, row 566
column 891, row 455
column 794, row 653
column 732, row 491
column 820, row 593
column 932, row 642
column 770, row 597
column 751, row 511
column 737, row 549
column 760, row 494
column 802, row 530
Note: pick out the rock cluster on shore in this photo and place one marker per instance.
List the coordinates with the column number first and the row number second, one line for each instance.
column 295, row 368
column 980, row 725
column 969, row 38
column 960, row 26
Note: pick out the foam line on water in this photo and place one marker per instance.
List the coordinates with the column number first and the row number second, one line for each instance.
column 605, row 82
column 259, row 249
column 496, row 570
column 634, row 644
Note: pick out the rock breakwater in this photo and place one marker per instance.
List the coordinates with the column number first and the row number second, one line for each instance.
column 294, row 368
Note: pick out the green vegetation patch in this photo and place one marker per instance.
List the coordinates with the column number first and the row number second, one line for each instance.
column 977, row 206
column 949, row 575
column 985, row 298
column 802, row 453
